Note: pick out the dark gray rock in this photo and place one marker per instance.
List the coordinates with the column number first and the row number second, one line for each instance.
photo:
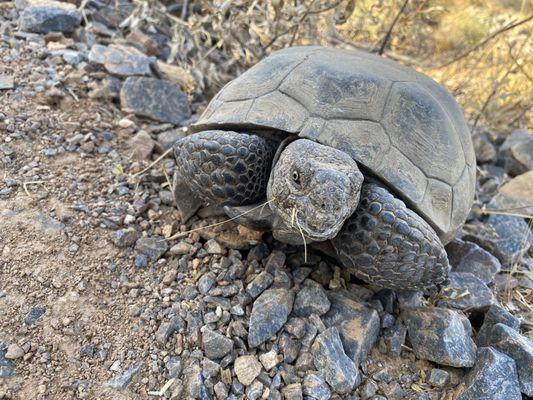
column 49, row 16
column 289, row 347
column 466, row 292
column 269, row 313
column 260, row 283
column 357, row 324
column 156, row 99
column 153, row 247
column 311, row 299
column 520, row 349
column 330, row 359
column 493, row 316
column 122, row 381
column 315, row 387
column 34, row 314
column 469, row 257
column 167, row 329
column 394, row 338
column 368, row 389
column 121, row 60
column 493, row 377
column 125, row 237
column 440, row 335
column 215, row 344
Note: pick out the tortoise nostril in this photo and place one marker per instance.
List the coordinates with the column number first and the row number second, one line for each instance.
column 323, row 205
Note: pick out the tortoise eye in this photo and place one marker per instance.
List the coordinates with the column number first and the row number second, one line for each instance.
column 296, row 176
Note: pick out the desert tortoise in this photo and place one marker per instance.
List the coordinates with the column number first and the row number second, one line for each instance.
column 370, row 154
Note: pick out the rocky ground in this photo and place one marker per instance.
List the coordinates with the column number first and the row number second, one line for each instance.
column 99, row 299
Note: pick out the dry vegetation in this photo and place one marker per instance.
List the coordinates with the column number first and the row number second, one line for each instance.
column 480, row 50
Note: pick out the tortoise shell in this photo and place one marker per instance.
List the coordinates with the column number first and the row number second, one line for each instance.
column 399, row 125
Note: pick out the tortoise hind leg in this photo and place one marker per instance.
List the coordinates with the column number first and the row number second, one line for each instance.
column 387, row 244
column 219, row 168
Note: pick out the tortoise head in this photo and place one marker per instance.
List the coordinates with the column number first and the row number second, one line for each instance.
column 313, row 189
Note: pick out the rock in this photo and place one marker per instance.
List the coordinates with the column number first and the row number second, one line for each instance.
column 357, row 324
column 469, row 257
column 315, row 386
column 213, row 247
column 269, row 313
column 330, row 359
column 166, row 329
column 13, row 352
column 156, row 99
column 485, row 150
column 247, row 368
column 144, row 42
column 168, row 139
column 394, row 338
column 6, row 82
column 493, row 316
column 292, row 392
column 142, row 145
column 368, row 389
column 49, row 16
column 6, row 366
column 221, row 390
column 193, row 382
column 140, row 261
column 517, row 151
column 125, row 237
column 153, row 247
column 122, row 381
column 121, row 60
column 34, row 314
column 520, row 349
column 439, row 378
column 269, row 359
column 179, row 75
column 493, row 377
column 440, row 335
column 508, row 236
column 254, row 391
column 311, row 299
column 520, row 188
column 260, row 283
column 289, row 347
column 215, row 345
column 180, row 249
column 464, row 291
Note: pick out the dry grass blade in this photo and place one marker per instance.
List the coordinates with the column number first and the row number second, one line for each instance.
column 152, row 164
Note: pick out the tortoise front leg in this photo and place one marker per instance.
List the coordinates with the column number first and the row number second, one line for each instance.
column 387, row 244
column 219, row 168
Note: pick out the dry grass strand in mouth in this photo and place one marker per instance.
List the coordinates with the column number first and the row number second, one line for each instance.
column 301, row 233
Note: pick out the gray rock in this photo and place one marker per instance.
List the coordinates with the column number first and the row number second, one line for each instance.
column 6, row 82
column 193, row 383
column 260, row 283
column 213, row 247
column 13, row 352
column 206, row 282
column 394, row 338
column 493, row 316
column 269, row 313
column 493, row 377
column 122, row 381
column 215, row 345
column 153, row 247
column 254, row 391
column 311, row 299
column 49, row 16
column 440, row 335
column 6, row 366
column 438, row 378
column 125, row 237
column 167, row 329
column 510, row 235
column 485, row 150
column 469, row 257
column 289, row 347
column 466, row 292
column 316, row 387
column 517, row 151
column 34, row 314
column 168, row 139
column 368, row 389
column 520, row 349
column 121, row 60
column 357, row 324
column 156, row 99
column 330, row 359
